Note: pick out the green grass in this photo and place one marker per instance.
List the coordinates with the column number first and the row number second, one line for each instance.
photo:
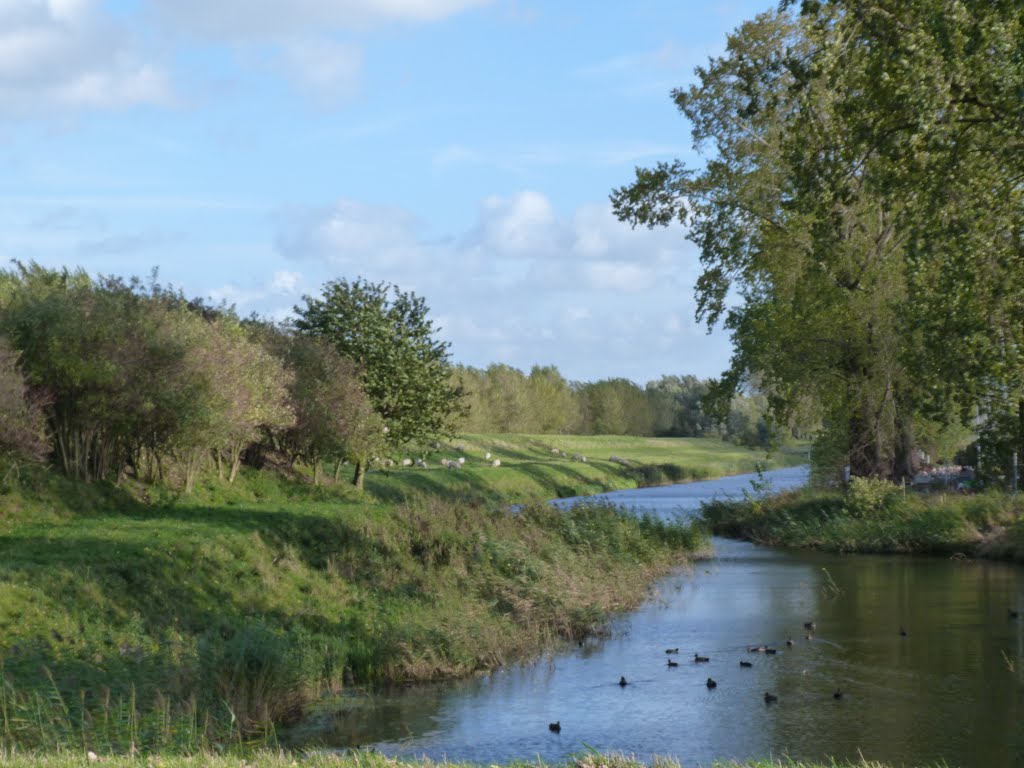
column 880, row 518
column 530, row 470
column 184, row 620
column 369, row 759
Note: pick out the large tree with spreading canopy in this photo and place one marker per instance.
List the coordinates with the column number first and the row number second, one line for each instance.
column 859, row 215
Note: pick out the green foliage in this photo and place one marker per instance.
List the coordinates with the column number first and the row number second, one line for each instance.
column 22, row 424
column 868, row 496
column 863, row 172
column 877, row 520
column 132, row 377
column 334, row 419
column 405, row 372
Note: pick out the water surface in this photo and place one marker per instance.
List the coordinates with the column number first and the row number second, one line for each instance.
column 951, row 688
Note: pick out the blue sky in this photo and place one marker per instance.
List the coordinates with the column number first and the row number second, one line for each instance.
column 463, row 149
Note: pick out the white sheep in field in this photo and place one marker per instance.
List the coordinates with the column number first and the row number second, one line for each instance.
column 487, row 456
column 462, row 460
column 406, row 462
column 496, row 463
column 421, row 463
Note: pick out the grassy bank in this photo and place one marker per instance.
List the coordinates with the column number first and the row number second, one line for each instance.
column 877, row 517
column 367, row 759
column 550, row 466
column 173, row 622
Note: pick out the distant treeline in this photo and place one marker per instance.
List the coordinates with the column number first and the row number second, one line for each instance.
column 504, row 399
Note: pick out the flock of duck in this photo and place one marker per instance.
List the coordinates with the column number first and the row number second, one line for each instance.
column 769, row 697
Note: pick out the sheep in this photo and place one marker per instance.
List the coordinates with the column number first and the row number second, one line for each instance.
column 579, row 457
column 496, row 463
column 421, row 463
column 406, row 462
column 462, row 460
column 487, row 456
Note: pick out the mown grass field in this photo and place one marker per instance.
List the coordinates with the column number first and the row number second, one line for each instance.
column 530, row 469
column 136, row 615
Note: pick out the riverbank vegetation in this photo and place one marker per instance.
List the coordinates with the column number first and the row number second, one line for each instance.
column 224, row 613
column 371, row 759
column 879, row 517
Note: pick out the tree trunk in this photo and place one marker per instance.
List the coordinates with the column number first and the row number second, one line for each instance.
column 357, row 481
column 316, row 472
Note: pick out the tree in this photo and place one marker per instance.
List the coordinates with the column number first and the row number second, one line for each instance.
column 858, row 150
column 405, row 372
column 552, row 405
column 334, row 419
column 615, row 407
column 22, row 424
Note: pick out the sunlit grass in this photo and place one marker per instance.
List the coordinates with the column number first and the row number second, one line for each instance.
column 217, row 617
column 370, row 759
column 550, row 466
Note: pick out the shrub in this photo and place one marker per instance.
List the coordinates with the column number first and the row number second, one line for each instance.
column 868, row 496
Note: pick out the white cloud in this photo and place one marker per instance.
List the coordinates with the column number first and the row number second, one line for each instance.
column 525, row 284
column 351, row 234
column 521, row 225
column 618, row 276
column 327, row 70
column 65, row 54
column 282, row 283
column 274, row 20
column 285, row 282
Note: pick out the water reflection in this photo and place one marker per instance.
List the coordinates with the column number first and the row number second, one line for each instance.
column 951, row 688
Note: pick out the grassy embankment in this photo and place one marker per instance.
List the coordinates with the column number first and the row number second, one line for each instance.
column 530, row 470
column 873, row 516
column 134, row 616
column 375, row 760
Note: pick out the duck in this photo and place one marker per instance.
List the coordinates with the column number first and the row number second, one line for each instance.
column 697, row 658
column 622, row 681
column 712, row 684
column 746, row 664
column 671, row 650
column 903, row 631
column 810, row 625
column 1012, row 614
column 808, row 636
column 770, row 651
column 770, row 698
column 789, row 641
column 672, row 663
column 555, row 727
column 757, row 648
column 838, row 694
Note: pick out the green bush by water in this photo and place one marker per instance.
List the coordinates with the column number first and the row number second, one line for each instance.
column 873, row 516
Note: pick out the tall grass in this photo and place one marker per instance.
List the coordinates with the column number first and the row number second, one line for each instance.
column 873, row 516
column 180, row 622
column 372, row 759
